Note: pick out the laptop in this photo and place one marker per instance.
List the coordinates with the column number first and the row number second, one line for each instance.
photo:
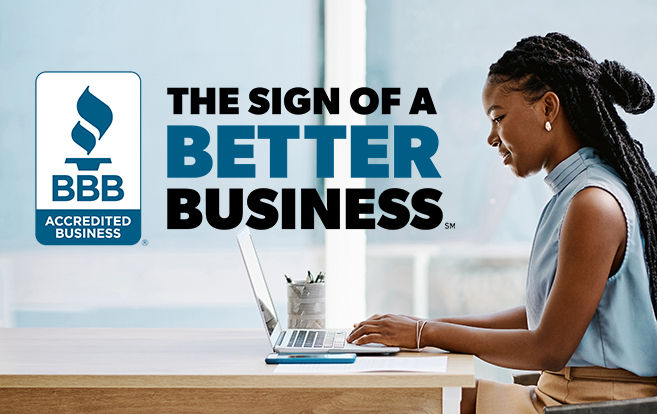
column 295, row 340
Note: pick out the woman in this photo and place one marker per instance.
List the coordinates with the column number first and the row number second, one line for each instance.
column 589, row 322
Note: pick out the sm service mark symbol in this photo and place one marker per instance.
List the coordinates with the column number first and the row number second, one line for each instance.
column 88, row 143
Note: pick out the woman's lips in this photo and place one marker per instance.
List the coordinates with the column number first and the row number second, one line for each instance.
column 507, row 158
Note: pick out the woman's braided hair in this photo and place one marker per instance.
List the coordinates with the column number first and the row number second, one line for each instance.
column 588, row 91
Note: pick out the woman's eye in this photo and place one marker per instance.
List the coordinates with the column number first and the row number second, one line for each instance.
column 498, row 119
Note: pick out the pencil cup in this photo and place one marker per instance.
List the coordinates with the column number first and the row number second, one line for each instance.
column 306, row 305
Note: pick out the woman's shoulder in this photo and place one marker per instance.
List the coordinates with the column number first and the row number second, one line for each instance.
column 600, row 194
column 601, row 181
column 596, row 212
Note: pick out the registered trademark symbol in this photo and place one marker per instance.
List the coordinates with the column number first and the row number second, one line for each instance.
column 144, row 242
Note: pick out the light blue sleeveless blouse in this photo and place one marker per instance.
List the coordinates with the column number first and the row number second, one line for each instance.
column 623, row 331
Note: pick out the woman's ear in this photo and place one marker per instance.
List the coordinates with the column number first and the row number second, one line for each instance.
column 551, row 106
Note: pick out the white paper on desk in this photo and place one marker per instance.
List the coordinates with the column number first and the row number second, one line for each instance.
column 431, row 364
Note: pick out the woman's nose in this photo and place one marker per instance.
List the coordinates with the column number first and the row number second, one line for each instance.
column 493, row 140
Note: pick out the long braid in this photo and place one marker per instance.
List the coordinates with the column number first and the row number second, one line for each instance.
column 588, row 91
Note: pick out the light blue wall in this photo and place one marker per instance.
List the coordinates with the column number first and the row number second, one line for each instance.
column 170, row 44
column 178, row 278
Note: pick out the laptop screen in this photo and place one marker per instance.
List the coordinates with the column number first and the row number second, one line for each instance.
column 260, row 289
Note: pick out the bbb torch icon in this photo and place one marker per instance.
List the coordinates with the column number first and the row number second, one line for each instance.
column 99, row 115
column 83, row 198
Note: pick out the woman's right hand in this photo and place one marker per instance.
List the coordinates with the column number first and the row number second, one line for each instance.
column 389, row 329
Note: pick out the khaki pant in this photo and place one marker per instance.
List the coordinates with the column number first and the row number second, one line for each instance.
column 571, row 385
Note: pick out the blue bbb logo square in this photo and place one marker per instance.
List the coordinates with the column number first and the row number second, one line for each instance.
column 88, row 149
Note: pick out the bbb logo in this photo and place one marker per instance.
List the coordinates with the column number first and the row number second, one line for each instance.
column 85, row 198
column 99, row 115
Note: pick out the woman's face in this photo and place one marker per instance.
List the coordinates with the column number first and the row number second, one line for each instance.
column 517, row 129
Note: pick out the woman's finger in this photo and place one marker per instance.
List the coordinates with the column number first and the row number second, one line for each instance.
column 374, row 317
column 363, row 329
column 367, row 321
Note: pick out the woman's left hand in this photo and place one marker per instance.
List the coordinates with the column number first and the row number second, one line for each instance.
column 391, row 330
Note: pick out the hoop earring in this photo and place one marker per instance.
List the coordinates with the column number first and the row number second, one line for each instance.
column 548, row 126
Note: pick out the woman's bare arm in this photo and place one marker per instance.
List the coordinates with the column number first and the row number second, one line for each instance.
column 586, row 254
column 514, row 318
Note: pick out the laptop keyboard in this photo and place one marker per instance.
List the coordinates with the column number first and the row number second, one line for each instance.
column 317, row 339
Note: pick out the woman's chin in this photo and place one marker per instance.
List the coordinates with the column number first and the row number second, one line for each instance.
column 518, row 172
column 522, row 172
